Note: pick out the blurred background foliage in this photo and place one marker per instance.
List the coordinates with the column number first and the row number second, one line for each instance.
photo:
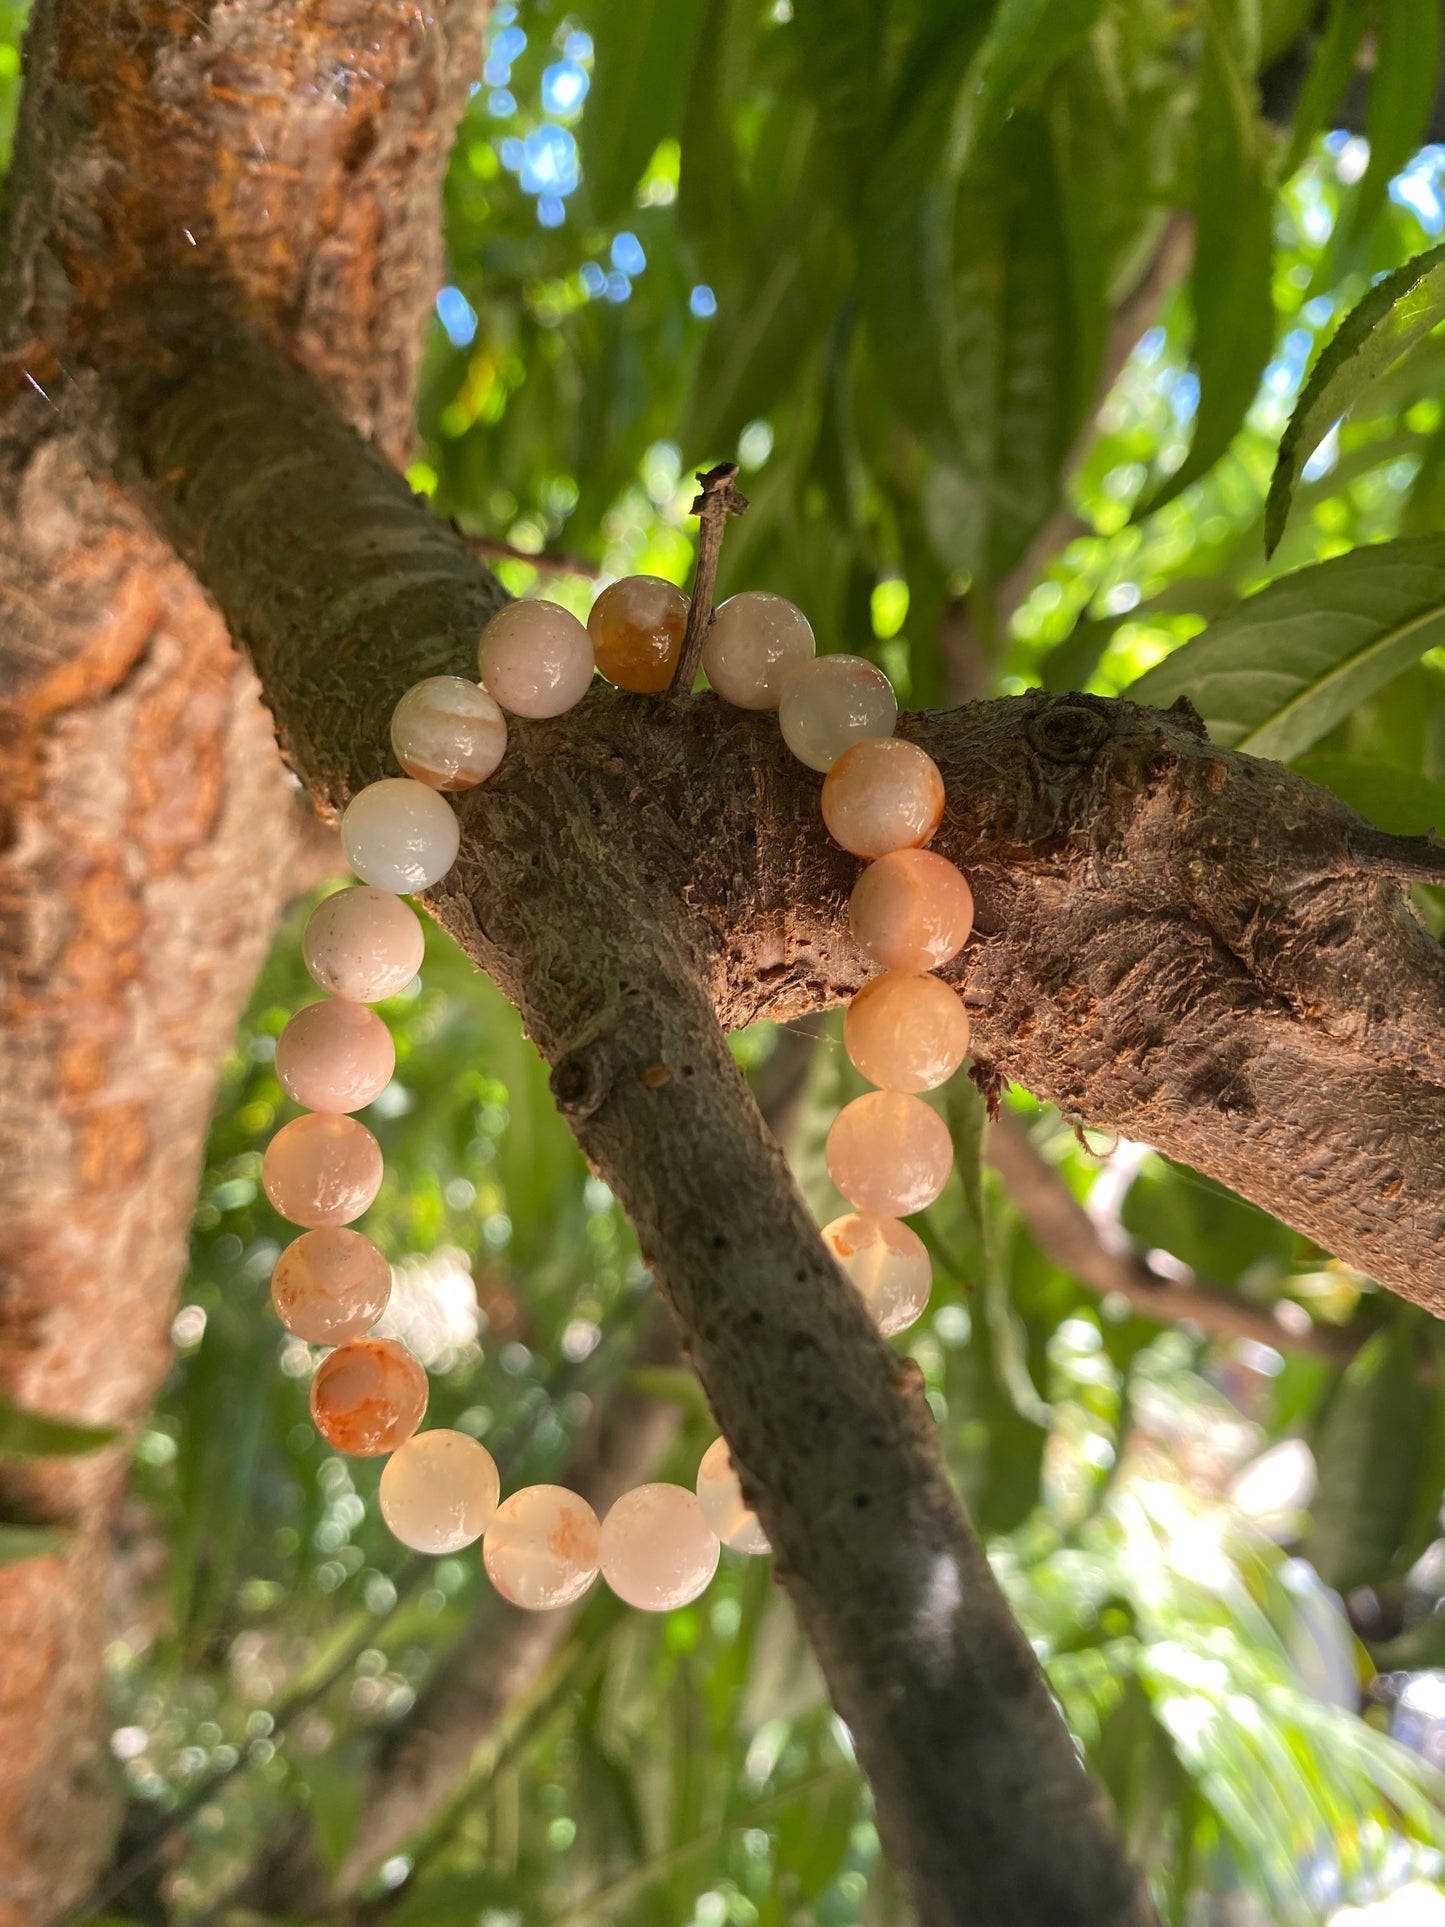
column 923, row 269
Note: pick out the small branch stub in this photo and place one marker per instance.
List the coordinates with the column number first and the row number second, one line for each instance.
column 718, row 498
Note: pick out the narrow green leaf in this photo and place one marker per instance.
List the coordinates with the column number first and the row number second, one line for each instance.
column 967, row 1116
column 1401, row 801
column 1368, row 1449
column 1329, row 75
column 840, row 54
column 644, row 54
column 1396, row 313
column 18, row 1543
column 1283, row 667
column 1402, row 92
column 1027, row 40
column 31, row 1435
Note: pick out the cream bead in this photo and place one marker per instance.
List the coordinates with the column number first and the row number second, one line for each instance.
column 438, row 1491
column 330, row 1285
column 448, row 733
column 723, row 1506
column 906, row 1032
column 754, row 643
column 912, row 910
column 832, row 703
column 541, row 1550
column 658, row 1550
column 882, row 796
column 335, row 1056
column 322, row 1169
column 889, row 1154
column 535, row 658
column 399, row 835
column 363, row 944
column 368, row 1397
column 886, row 1263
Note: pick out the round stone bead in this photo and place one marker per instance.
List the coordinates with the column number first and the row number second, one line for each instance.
column 398, row 835
column 754, row 644
column 832, row 703
column 439, row 1491
column 322, row 1169
column 535, row 658
column 889, row 1153
column 726, row 1511
column 448, row 733
column 658, row 1551
column 541, row 1548
column 363, row 944
column 636, row 626
column 912, row 910
column 887, row 1263
column 368, row 1397
column 882, row 796
column 330, row 1285
column 335, row 1056
column 906, row 1032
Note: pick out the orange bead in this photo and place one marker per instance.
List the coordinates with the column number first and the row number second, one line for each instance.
column 438, row 1491
column 720, row 1494
column 335, row 1056
column 912, row 910
column 542, row 1547
column 322, row 1169
column 658, row 1550
column 889, row 1154
column 906, row 1032
column 368, row 1397
column 636, row 626
column 330, row 1285
column 886, row 1263
column 882, row 795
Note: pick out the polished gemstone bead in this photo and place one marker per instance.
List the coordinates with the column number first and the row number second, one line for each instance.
column 335, row 1056
column 322, row 1169
column 541, row 1548
column 636, row 626
column 399, row 835
column 368, row 1397
column 832, row 703
column 882, row 796
column 912, row 910
column 439, row 1491
column 723, row 1506
column 658, row 1551
column 889, row 1153
column 330, row 1285
column 363, row 944
column 886, row 1262
column 754, row 644
column 535, row 658
column 448, row 733
column 906, row 1032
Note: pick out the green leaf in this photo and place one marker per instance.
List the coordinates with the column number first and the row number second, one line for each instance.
column 18, row 1543
column 1368, row 1449
column 644, row 53
column 1329, row 75
column 1027, row 40
column 967, row 1116
column 31, row 1435
column 1401, row 801
column 1396, row 313
column 840, row 54
column 1283, row 667
column 1402, row 92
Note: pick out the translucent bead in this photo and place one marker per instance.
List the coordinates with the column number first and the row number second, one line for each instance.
column 368, row 1397
column 363, row 944
column 887, row 1263
column 398, row 835
column 906, row 1032
column 322, row 1169
column 542, row 1547
column 330, row 1285
column 832, row 703
column 889, row 1153
column 726, row 1511
column 636, row 626
column 448, row 733
column 754, row 644
column 882, row 796
column 535, row 658
column 658, row 1551
column 335, row 1056
column 439, row 1491
column 912, row 910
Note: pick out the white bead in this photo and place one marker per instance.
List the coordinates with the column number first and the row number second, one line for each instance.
column 448, row 733
column 754, row 644
column 363, row 944
column 830, row 704
column 720, row 1495
column 658, row 1552
column 535, row 659
column 399, row 835
column 887, row 1263
column 439, row 1491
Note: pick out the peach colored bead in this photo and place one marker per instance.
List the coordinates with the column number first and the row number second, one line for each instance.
column 330, row 1285
column 658, row 1551
column 912, row 910
column 335, row 1056
column 438, row 1491
column 322, row 1169
column 363, row 944
column 889, row 1153
column 886, row 1263
column 535, row 658
column 448, row 733
column 368, row 1397
column 723, row 1506
column 636, row 626
column 906, row 1032
column 542, row 1547
column 754, row 644
column 398, row 835
column 831, row 704
column 882, row 796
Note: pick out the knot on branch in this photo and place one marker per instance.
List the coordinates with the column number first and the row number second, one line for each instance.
column 1067, row 732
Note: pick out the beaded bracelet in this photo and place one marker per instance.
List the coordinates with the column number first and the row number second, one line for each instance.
column 888, row 1153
